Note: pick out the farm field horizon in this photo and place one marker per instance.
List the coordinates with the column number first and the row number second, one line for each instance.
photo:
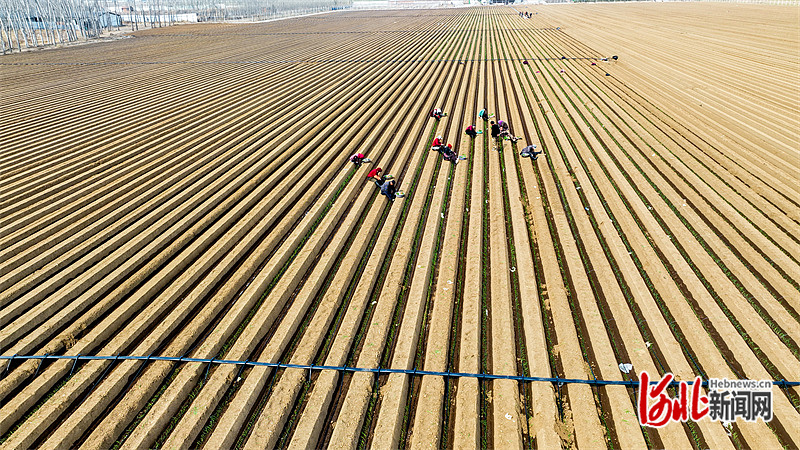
column 186, row 193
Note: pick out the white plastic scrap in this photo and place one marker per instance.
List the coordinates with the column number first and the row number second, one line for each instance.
column 625, row 367
column 509, row 416
column 513, row 269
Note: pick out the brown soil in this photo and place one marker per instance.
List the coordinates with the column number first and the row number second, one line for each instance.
column 187, row 192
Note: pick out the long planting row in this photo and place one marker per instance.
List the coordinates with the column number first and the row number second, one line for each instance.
column 186, row 192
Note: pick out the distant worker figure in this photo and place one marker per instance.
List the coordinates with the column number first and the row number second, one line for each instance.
column 375, row 176
column 529, row 151
column 388, row 189
column 437, row 113
column 483, row 114
column 358, row 158
column 470, row 131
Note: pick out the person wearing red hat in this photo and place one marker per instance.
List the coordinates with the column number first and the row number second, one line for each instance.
column 375, row 175
column 357, row 159
column 449, row 155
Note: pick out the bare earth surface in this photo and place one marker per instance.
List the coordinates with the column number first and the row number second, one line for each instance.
column 186, row 192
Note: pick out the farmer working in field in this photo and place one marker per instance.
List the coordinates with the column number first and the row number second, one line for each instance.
column 448, row 154
column 388, row 189
column 495, row 130
column 530, row 151
column 505, row 132
column 375, row 176
column 437, row 114
column 470, row 131
column 357, row 159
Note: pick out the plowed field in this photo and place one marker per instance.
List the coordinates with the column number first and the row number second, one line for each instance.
column 187, row 193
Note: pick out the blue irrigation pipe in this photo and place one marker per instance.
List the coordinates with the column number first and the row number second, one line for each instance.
column 38, row 368
column 378, row 370
column 10, row 358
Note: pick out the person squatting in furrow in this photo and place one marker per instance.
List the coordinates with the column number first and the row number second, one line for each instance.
column 471, row 132
column 530, row 152
column 500, row 131
column 389, row 189
column 448, row 154
column 505, row 132
column 358, row 158
column 495, row 130
column 385, row 183
column 437, row 114
column 375, row 176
